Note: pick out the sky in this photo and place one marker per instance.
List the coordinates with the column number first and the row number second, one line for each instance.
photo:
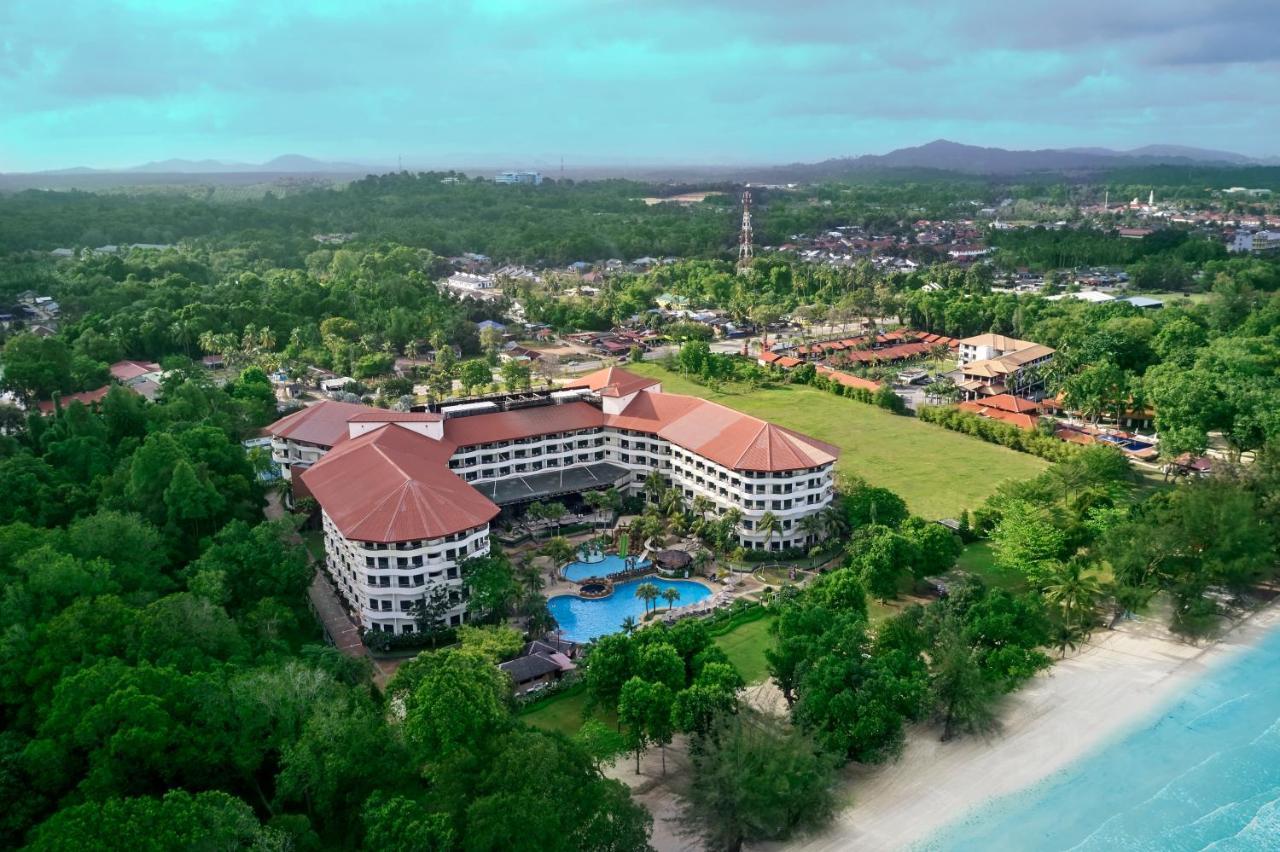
column 115, row 83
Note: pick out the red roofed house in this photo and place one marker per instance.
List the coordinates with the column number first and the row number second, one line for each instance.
column 1007, row 408
column 405, row 497
column 89, row 398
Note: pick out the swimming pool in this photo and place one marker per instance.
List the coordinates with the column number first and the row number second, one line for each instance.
column 1130, row 444
column 584, row 620
column 608, row 566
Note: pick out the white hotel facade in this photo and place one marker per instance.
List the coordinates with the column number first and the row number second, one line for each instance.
column 405, row 497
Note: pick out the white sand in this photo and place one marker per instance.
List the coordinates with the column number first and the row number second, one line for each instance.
column 1115, row 682
column 1121, row 678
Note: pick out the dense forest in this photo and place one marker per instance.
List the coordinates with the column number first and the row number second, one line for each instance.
column 164, row 681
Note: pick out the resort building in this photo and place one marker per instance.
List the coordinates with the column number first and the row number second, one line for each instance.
column 992, row 364
column 405, row 496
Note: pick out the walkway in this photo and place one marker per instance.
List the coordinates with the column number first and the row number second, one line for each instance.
column 337, row 624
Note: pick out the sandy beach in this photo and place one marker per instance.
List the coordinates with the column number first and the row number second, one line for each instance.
column 1115, row 682
column 1120, row 678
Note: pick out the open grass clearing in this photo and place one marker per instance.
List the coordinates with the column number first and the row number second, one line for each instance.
column 937, row 472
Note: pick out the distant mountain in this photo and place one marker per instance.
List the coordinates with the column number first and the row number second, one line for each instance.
column 942, row 155
column 285, row 163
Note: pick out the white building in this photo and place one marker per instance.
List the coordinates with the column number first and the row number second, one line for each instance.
column 405, row 497
column 532, row 178
column 466, row 284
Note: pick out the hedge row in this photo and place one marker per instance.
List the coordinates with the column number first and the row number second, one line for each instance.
column 1036, row 443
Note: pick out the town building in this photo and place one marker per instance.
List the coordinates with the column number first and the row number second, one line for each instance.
column 405, row 497
column 992, row 364
column 531, row 178
column 467, row 284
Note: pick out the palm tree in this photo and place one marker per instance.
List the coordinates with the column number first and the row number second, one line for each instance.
column 654, row 486
column 670, row 594
column 701, row 505
column 594, row 501
column 672, row 502
column 1066, row 638
column 700, row 560
column 529, row 576
column 559, row 551
column 628, row 625
column 835, row 521
column 1074, row 593
column 811, row 526
column 648, row 593
column 770, row 526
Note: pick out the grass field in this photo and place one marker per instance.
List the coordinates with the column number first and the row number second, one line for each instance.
column 937, row 472
column 978, row 559
column 745, row 647
column 565, row 713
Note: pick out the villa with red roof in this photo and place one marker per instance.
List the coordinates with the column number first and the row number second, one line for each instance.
column 405, row 497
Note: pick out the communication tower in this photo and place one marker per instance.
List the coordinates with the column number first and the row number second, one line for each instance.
column 744, row 245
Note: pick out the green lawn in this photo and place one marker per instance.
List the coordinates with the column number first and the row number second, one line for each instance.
column 745, row 646
column 937, row 472
column 565, row 713
column 979, row 560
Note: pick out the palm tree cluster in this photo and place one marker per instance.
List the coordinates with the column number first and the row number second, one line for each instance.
column 650, row 593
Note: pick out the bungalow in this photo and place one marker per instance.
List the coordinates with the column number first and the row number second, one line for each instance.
column 848, row 380
column 539, row 664
column 89, row 398
column 1006, row 408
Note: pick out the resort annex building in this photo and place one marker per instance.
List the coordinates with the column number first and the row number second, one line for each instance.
column 406, row 496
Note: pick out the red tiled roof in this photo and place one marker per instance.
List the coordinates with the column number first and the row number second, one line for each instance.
column 92, row 397
column 612, row 381
column 848, row 380
column 521, row 423
column 123, row 371
column 786, row 362
column 393, row 484
column 724, row 436
column 1006, row 402
column 323, row 424
column 383, row 415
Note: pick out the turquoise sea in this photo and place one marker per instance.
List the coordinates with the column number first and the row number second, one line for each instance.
column 1204, row 774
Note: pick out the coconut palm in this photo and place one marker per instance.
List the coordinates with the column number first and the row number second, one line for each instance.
column 1074, row 592
column 701, row 505
column 770, row 526
column 629, row 625
column 648, row 593
column 1066, row 638
column 670, row 594
column 558, row 550
column 654, row 486
column 835, row 521
column 811, row 526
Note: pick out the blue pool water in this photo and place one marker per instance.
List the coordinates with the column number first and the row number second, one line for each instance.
column 583, row 620
column 1126, row 443
column 1203, row 774
column 610, row 565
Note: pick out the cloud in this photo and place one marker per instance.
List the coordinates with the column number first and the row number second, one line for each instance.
column 615, row 81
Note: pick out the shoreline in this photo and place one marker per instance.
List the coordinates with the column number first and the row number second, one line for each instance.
column 1119, row 680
